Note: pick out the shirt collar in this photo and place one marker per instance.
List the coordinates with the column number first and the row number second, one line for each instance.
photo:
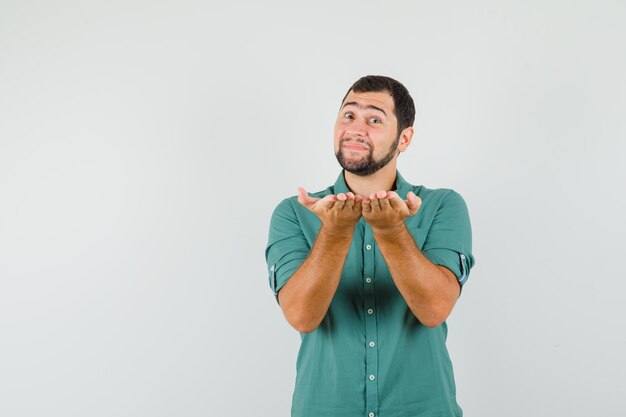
column 402, row 187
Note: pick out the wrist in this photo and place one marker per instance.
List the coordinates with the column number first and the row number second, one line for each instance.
column 386, row 231
column 338, row 232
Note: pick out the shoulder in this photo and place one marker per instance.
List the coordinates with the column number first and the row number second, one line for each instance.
column 446, row 206
column 439, row 197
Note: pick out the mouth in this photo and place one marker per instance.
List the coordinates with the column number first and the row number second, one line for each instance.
column 354, row 146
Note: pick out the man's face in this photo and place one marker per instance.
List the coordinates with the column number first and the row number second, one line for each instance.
column 366, row 132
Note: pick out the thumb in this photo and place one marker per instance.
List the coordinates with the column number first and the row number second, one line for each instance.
column 304, row 198
column 413, row 202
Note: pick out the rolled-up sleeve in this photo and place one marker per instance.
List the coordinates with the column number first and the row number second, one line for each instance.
column 449, row 239
column 287, row 247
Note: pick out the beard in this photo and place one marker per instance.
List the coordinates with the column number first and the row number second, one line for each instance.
column 366, row 165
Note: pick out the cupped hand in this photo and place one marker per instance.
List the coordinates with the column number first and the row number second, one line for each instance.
column 338, row 213
column 385, row 211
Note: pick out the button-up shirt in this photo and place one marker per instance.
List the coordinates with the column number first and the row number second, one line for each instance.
column 370, row 356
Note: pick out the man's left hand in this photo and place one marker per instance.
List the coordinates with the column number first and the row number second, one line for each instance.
column 385, row 211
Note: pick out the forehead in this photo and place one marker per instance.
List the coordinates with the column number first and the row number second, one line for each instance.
column 380, row 99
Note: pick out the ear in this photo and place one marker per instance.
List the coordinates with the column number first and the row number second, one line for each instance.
column 405, row 139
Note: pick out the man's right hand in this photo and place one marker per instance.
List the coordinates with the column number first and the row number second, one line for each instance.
column 338, row 213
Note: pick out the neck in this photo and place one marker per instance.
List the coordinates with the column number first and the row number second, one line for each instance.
column 382, row 180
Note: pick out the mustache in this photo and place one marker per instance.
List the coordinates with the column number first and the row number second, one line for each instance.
column 361, row 141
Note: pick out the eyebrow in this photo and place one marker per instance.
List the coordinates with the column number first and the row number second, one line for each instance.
column 369, row 106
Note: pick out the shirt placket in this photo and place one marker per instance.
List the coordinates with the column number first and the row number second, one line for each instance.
column 371, row 328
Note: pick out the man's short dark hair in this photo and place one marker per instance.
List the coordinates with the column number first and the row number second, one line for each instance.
column 403, row 105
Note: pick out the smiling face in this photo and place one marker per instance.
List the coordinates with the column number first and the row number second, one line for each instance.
column 366, row 133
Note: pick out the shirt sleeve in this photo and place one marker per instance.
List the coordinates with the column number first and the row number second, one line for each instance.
column 287, row 246
column 449, row 239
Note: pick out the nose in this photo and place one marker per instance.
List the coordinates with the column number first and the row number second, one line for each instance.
column 357, row 127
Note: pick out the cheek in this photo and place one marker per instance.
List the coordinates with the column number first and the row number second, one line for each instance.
column 338, row 132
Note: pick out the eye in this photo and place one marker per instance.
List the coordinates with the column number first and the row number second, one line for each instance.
column 348, row 116
column 375, row 120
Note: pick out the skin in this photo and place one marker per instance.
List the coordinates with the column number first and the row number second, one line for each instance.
column 367, row 128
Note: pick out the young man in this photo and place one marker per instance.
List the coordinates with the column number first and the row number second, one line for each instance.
column 369, row 269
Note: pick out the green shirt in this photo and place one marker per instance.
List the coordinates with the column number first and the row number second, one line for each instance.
column 370, row 356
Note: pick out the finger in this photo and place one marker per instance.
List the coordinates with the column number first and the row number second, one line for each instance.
column 358, row 206
column 340, row 201
column 350, row 195
column 381, row 194
column 413, row 202
column 395, row 201
column 366, row 205
column 384, row 203
column 349, row 203
column 305, row 199
column 328, row 202
column 375, row 206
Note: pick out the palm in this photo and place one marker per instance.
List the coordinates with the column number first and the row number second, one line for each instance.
column 341, row 211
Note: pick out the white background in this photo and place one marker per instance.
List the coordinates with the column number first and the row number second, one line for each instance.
column 144, row 145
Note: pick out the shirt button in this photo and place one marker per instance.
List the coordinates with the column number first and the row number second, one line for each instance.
column 368, row 247
column 370, row 311
column 372, row 344
column 368, row 280
column 462, row 256
column 371, row 415
column 372, row 377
